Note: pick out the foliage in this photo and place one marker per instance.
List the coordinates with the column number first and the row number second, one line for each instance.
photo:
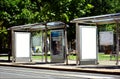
column 16, row 12
column 3, row 35
column 19, row 12
column 101, row 7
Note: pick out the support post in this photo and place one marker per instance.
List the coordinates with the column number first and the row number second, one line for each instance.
column 66, row 46
column 9, row 45
column 117, row 43
column 42, row 46
column 46, row 43
column 98, row 45
column 13, row 45
column 77, row 46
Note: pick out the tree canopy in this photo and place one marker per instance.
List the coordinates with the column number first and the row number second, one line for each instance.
column 19, row 12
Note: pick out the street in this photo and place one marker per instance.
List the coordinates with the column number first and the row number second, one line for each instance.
column 29, row 73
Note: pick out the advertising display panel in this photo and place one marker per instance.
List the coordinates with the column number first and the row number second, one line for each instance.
column 36, row 41
column 22, row 47
column 57, row 46
column 106, row 38
column 87, row 43
column 37, row 45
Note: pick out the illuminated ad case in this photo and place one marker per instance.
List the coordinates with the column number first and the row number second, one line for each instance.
column 57, row 46
column 22, row 47
column 87, row 44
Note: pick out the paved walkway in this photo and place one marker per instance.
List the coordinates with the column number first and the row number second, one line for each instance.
column 105, row 67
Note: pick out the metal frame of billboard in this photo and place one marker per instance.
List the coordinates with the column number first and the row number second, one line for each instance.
column 57, row 55
column 87, row 44
column 21, row 51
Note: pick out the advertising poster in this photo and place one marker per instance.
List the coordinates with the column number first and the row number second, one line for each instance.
column 106, row 38
column 37, row 44
column 57, row 46
column 36, row 41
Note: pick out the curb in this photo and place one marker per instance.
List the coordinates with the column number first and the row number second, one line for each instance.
column 86, row 70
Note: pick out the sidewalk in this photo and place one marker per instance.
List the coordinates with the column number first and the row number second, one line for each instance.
column 105, row 67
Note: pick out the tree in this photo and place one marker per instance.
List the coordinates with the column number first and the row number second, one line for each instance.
column 14, row 12
column 101, row 7
column 19, row 12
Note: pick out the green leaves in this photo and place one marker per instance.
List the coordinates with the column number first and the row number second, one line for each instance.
column 19, row 12
column 3, row 30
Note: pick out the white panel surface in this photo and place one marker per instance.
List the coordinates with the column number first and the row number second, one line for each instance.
column 88, row 42
column 22, row 43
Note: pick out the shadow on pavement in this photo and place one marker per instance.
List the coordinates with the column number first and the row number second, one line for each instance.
column 102, row 67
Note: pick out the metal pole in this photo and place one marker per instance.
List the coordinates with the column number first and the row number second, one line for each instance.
column 117, row 42
column 9, row 44
column 13, row 45
column 45, row 43
column 30, row 45
column 66, row 47
column 77, row 46
column 42, row 45
column 98, row 45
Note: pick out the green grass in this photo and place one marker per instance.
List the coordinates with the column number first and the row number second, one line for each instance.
column 72, row 57
column 101, row 56
column 37, row 57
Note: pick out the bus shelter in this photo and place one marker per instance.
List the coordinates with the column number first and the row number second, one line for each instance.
column 86, row 36
column 21, row 41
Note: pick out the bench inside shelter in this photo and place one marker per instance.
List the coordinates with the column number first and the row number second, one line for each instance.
column 5, row 52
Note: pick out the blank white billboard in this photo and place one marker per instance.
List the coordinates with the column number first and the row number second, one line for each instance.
column 88, row 42
column 22, row 44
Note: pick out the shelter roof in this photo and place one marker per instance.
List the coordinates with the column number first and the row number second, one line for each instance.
column 101, row 19
column 39, row 26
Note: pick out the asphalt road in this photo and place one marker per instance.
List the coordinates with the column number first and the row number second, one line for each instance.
column 29, row 73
